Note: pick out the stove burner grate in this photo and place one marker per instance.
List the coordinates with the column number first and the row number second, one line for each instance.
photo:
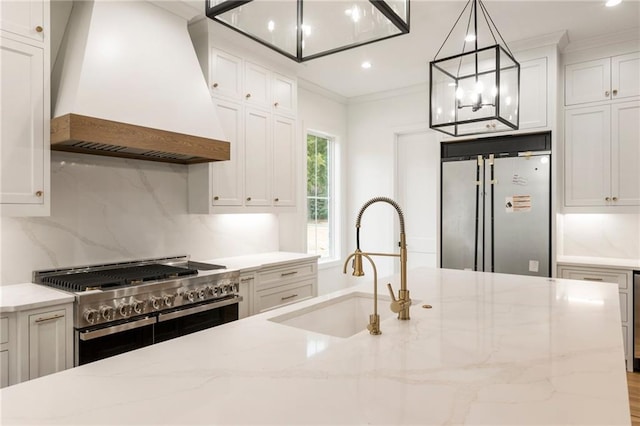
column 118, row 277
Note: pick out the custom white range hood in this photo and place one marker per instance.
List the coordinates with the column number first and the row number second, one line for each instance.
column 127, row 83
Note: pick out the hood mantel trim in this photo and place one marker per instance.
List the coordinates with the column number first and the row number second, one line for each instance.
column 89, row 135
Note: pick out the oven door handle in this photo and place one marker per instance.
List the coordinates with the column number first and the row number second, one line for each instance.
column 196, row 309
column 94, row 334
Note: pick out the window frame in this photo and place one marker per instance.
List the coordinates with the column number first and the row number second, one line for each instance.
column 333, row 216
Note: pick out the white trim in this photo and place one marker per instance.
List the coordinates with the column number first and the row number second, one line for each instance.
column 319, row 90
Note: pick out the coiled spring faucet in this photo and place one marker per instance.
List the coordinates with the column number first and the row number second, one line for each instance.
column 401, row 304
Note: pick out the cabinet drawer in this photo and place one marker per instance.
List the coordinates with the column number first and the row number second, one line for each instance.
column 4, row 330
column 276, row 277
column 597, row 275
column 284, row 295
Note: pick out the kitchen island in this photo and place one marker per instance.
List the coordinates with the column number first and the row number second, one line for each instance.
column 493, row 349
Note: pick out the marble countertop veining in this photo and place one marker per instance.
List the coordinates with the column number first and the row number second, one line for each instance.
column 494, row 349
column 19, row 297
column 599, row 262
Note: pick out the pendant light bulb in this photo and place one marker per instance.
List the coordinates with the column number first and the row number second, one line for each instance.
column 459, row 93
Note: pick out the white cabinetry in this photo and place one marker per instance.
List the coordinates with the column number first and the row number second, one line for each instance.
column 8, row 351
column 603, row 79
column 45, row 339
column 625, row 288
column 24, row 108
column 533, row 94
column 247, row 284
column 256, row 108
column 285, row 284
column 601, row 155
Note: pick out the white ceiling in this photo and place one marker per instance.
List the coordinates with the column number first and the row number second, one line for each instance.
column 403, row 61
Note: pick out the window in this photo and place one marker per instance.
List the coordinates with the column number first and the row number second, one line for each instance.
column 321, row 225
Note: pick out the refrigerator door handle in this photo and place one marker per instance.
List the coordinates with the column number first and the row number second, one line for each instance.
column 477, row 219
column 493, row 181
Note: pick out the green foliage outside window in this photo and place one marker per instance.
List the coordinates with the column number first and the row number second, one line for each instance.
column 317, row 178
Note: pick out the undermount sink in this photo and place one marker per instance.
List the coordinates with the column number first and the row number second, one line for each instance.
column 342, row 316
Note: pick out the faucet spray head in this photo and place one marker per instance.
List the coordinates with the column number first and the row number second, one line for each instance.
column 357, row 264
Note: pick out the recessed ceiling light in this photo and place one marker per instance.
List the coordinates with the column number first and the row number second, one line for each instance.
column 611, row 3
column 366, row 65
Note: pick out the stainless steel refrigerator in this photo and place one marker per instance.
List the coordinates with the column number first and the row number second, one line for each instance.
column 496, row 204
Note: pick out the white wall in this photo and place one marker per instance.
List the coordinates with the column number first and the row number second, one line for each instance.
column 109, row 209
column 323, row 112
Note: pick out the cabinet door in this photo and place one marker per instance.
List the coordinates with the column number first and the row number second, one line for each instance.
column 588, row 82
column 625, row 154
column 245, row 307
column 225, row 75
column 284, row 95
column 22, row 151
column 227, row 176
column 23, row 17
column 533, row 93
column 47, row 343
column 587, row 165
column 257, row 84
column 625, row 75
column 257, row 157
column 284, row 162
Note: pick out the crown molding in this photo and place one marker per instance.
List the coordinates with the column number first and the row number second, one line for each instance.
column 629, row 35
column 313, row 87
column 394, row 93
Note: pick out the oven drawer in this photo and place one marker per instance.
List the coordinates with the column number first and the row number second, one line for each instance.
column 284, row 295
column 278, row 276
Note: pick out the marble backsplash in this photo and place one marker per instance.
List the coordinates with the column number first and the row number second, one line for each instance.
column 600, row 235
column 107, row 209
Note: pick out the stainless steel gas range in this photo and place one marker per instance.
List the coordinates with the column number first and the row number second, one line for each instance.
column 129, row 305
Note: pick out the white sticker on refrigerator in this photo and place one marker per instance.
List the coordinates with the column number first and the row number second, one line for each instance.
column 517, row 203
column 534, row 265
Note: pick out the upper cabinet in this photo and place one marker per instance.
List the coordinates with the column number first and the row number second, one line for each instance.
column 603, row 79
column 24, row 108
column 533, row 93
column 601, row 149
column 256, row 107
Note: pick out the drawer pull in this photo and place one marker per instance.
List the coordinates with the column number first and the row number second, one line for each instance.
column 591, row 279
column 289, row 297
column 245, row 280
column 286, row 274
column 49, row 318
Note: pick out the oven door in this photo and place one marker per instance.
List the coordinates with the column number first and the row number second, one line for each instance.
column 96, row 343
column 183, row 321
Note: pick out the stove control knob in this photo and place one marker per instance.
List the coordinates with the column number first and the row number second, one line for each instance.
column 107, row 312
column 190, row 295
column 211, row 290
column 202, row 292
column 168, row 300
column 156, row 302
column 90, row 315
column 138, row 306
column 124, row 309
column 235, row 287
column 217, row 291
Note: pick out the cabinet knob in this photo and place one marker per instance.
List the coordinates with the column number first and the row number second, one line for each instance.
column 276, row 104
column 606, row 94
column 39, row 29
column 214, row 85
column 615, row 92
column 607, row 199
column 615, row 198
column 39, row 193
column 248, row 198
column 216, row 198
column 276, row 199
column 247, row 96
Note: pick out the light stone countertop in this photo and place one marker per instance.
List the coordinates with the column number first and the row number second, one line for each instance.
column 494, row 349
column 262, row 260
column 20, row 297
column 599, row 262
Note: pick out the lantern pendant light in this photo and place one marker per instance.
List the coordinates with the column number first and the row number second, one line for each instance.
column 307, row 29
column 475, row 91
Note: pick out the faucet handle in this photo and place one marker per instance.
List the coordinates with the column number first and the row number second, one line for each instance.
column 395, row 305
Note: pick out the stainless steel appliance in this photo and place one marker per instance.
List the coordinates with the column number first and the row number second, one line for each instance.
column 636, row 320
column 496, row 204
column 124, row 306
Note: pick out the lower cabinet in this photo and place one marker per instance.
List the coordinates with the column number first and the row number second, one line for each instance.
column 7, row 350
column 285, row 284
column 623, row 278
column 245, row 307
column 45, row 341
